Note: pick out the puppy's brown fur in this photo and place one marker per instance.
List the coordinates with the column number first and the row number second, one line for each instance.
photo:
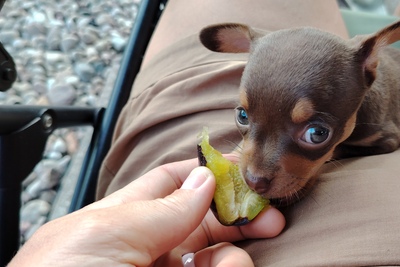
column 307, row 96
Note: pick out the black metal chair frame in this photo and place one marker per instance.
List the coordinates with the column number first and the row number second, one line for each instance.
column 24, row 130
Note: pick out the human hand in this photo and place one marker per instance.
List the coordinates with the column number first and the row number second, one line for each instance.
column 151, row 222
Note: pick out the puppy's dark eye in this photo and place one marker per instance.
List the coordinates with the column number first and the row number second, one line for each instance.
column 316, row 134
column 241, row 116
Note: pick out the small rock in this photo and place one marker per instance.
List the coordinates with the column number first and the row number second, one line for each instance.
column 62, row 94
column 91, row 52
column 69, row 42
column 59, row 145
column 88, row 37
column 22, row 88
column 88, row 100
column 39, row 17
column 14, row 99
column 54, row 155
column 54, row 57
column 30, row 97
column 3, row 96
column 85, row 71
column 83, row 22
column 77, row 56
column 33, row 29
column 19, row 44
column 8, row 37
column 33, row 190
column 39, row 87
column 98, row 64
column 48, row 196
column 119, row 43
column 34, row 209
column 72, row 80
column 28, row 180
column 63, row 164
column 103, row 19
column 72, row 142
column 39, row 42
column 53, row 38
column 42, row 101
column 49, row 179
column 103, row 45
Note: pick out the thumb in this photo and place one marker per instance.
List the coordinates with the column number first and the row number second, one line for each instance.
column 167, row 222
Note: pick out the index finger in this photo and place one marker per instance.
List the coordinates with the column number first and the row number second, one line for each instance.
column 162, row 180
column 157, row 183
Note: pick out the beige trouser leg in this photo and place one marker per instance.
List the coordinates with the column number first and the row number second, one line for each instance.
column 185, row 17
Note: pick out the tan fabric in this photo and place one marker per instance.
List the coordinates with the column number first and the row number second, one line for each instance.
column 352, row 216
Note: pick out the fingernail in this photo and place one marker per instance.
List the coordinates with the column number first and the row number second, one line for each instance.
column 196, row 178
column 188, row 260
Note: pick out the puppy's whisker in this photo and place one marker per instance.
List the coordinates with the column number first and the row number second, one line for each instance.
column 335, row 163
column 235, row 146
column 315, row 201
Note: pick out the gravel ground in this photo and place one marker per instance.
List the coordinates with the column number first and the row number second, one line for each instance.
column 66, row 53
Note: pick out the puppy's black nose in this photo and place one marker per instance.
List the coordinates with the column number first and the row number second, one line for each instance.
column 259, row 184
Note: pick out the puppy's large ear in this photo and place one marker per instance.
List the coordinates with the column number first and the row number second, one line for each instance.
column 370, row 46
column 228, row 38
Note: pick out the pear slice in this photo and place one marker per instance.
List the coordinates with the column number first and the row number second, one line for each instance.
column 234, row 202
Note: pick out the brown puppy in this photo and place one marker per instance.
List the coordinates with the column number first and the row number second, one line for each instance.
column 307, row 96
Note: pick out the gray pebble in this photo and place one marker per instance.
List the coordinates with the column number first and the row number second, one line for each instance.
column 34, row 209
column 88, row 37
column 69, row 42
column 39, row 87
column 85, row 71
column 103, row 45
column 48, row 195
column 59, row 145
column 119, row 43
column 54, row 155
column 3, row 96
column 19, row 44
column 38, row 17
column 33, row 29
column 104, row 19
column 31, row 177
column 72, row 80
column 62, row 94
column 13, row 100
column 53, row 38
column 8, row 37
column 55, row 57
column 49, row 179
column 15, row 13
column 33, row 190
column 63, row 164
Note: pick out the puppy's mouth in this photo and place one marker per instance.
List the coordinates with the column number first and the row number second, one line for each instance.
column 284, row 201
column 282, row 190
column 288, row 198
column 280, row 202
